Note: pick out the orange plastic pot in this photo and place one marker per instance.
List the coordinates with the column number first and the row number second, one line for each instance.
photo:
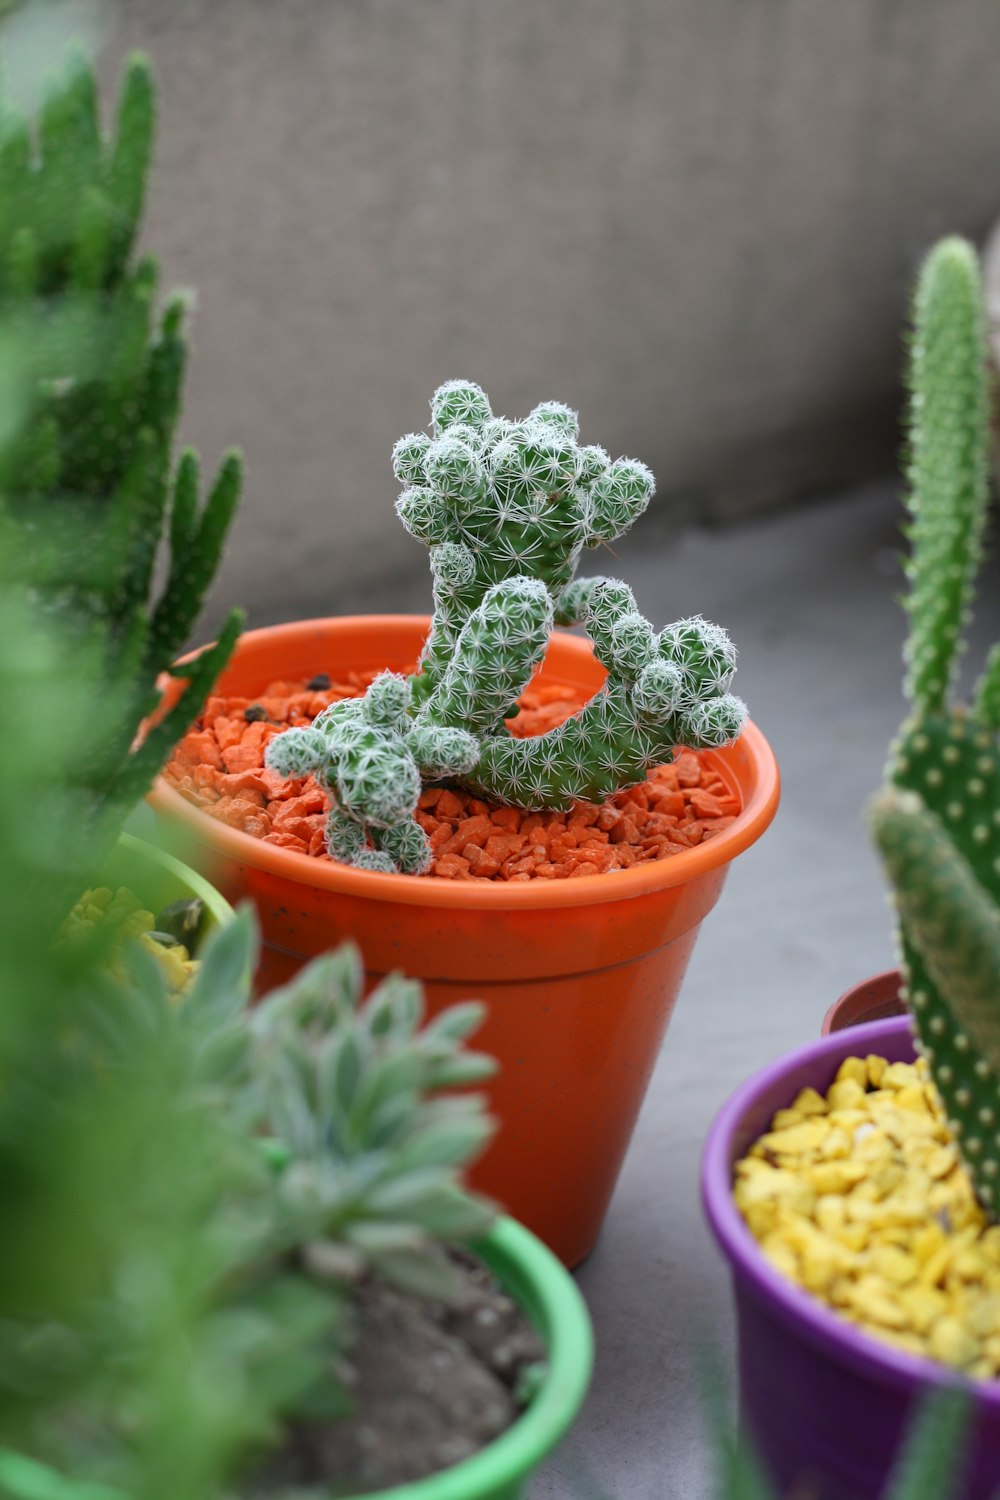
column 579, row 976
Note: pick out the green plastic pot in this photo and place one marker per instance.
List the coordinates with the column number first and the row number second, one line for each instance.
column 547, row 1293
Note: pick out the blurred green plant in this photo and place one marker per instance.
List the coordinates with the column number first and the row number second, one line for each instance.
column 171, row 1293
column 169, row 1296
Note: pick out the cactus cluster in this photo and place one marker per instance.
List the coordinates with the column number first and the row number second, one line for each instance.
column 937, row 823
column 507, row 509
column 90, row 493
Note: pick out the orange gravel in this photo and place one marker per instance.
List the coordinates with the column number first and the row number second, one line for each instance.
column 219, row 764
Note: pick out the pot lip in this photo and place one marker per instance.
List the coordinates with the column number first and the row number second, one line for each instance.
column 215, row 902
column 791, row 1303
column 410, row 890
column 885, row 978
column 509, row 1246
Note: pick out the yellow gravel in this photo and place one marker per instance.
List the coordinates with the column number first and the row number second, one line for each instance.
column 131, row 920
column 861, row 1198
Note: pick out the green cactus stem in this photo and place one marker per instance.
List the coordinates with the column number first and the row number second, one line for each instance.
column 949, row 465
column 506, row 509
column 952, row 928
column 938, row 826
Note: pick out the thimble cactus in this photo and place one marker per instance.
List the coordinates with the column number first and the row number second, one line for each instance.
column 938, row 823
column 506, row 509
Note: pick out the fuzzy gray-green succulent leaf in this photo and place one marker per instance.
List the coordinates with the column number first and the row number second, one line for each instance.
column 350, row 1086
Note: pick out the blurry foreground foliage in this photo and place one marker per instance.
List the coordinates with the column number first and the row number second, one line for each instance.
column 100, row 521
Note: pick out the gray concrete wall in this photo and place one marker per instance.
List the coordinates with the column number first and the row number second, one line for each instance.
column 695, row 220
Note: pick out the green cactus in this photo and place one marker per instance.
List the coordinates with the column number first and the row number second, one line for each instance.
column 89, row 490
column 506, row 509
column 939, row 830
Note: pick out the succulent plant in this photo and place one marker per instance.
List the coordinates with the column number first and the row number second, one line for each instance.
column 507, row 509
column 233, row 1174
column 938, row 823
column 90, row 494
column 370, row 1145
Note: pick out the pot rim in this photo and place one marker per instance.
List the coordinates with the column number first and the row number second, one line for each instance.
column 655, row 875
column 793, row 1304
column 215, row 902
column 511, row 1249
column 885, row 977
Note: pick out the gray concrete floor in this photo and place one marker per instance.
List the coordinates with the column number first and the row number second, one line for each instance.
column 810, row 598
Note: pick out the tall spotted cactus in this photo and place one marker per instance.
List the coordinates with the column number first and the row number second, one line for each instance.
column 98, row 519
column 506, row 509
column 938, row 823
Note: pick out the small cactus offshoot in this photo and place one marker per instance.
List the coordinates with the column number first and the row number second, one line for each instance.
column 938, row 823
column 506, row 509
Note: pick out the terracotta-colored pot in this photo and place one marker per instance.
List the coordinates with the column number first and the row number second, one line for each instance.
column 874, row 999
column 579, row 976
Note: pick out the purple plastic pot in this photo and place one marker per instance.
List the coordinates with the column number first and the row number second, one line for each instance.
column 826, row 1405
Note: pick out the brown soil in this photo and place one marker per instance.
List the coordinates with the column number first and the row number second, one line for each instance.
column 219, row 764
column 432, row 1385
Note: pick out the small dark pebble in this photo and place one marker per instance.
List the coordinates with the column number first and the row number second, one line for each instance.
column 254, row 713
column 319, row 683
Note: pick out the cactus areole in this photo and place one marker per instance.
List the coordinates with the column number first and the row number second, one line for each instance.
column 506, row 509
